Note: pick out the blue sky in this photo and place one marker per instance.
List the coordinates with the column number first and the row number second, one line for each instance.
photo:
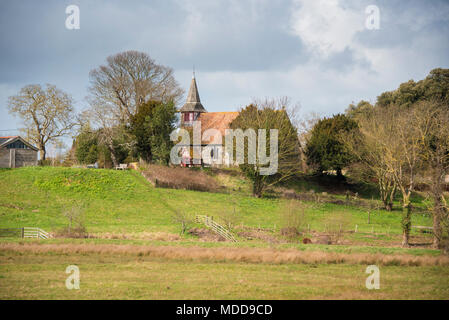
column 318, row 53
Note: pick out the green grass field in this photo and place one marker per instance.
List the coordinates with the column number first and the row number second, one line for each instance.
column 122, row 208
column 117, row 276
column 123, row 201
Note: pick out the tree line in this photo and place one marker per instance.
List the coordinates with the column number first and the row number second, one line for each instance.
column 131, row 112
column 399, row 142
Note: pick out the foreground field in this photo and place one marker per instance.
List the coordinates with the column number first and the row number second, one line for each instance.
column 133, row 248
column 127, row 272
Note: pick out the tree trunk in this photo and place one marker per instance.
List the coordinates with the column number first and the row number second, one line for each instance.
column 388, row 204
column 340, row 174
column 110, row 146
column 437, row 194
column 436, row 228
column 406, row 223
column 113, row 158
column 258, row 188
column 43, row 152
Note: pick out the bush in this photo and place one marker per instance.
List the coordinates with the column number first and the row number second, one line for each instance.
column 293, row 219
column 44, row 163
column 180, row 178
column 336, row 225
column 77, row 232
column 74, row 212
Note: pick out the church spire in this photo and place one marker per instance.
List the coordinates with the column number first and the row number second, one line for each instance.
column 193, row 102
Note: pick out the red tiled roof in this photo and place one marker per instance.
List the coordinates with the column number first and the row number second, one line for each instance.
column 216, row 120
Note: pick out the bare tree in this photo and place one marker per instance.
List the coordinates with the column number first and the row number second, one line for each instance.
column 293, row 219
column 431, row 120
column 305, row 126
column 74, row 212
column 403, row 159
column 182, row 218
column 231, row 217
column 48, row 114
column 102, row 116
column 129, row 79
column 396, row 146
column 366, row 145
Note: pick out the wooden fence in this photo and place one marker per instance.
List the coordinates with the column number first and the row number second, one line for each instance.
column 11, row 232
column 217, row 228
column 25, row 232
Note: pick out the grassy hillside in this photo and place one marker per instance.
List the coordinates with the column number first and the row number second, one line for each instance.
column 124, row 202
column 136, row 239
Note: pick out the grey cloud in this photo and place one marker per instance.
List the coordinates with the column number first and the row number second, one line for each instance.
column 222, row 39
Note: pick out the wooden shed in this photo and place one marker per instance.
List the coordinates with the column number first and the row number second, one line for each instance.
column 17, row 152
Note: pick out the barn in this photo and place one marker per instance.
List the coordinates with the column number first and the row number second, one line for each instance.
column 16, row 152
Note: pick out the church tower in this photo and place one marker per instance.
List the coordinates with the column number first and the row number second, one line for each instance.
column 191, row 110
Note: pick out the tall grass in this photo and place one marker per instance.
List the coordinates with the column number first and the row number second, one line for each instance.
column 246, row 255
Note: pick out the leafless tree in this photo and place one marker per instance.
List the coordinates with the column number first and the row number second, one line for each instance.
column 231, row 217
column 392, row 134
column 47, row 114
column 293, row 218
column 102, row 116
column 74, row 212
column 305, row 126
column 366, row 145
column 128, row 79
column 431, row 120
column 181, row 218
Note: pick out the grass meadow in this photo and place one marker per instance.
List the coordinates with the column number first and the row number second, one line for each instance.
column 135, row 249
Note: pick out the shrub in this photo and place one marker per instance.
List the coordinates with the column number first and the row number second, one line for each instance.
column 335, row 225
column 76, row 232
column 44, row 163
column 74, row 212
column 180, row 178
column 293, row 219
column 231, row 217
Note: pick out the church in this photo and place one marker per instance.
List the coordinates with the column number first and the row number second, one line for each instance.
column 212, row 145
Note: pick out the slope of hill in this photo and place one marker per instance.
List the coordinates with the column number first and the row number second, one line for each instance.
column 123, row 202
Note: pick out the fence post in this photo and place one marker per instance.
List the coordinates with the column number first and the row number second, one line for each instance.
column 23, row 233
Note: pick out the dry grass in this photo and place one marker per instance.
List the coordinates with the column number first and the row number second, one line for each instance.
column 159, row 236
column 30, row 276
column 248, row 255
column 180, row 178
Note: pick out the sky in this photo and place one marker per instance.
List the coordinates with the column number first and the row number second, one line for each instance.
column 319, row 53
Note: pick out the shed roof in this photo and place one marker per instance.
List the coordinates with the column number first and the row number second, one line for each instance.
column 4, row 141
